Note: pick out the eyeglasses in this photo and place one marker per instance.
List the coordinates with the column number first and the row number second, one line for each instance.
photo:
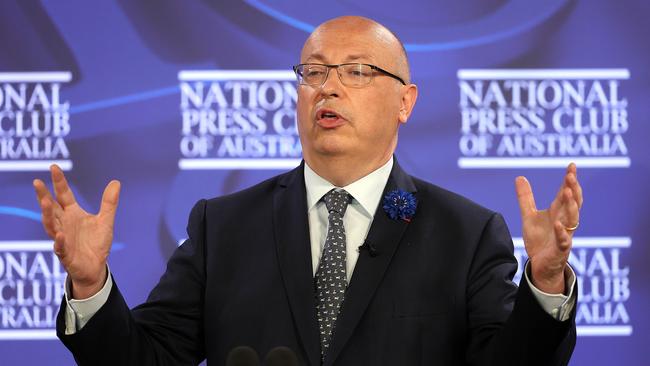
column 353, row 74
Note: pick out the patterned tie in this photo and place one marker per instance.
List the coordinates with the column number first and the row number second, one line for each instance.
column 331, row 279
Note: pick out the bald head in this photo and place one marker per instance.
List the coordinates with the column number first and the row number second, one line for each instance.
column 385, row 45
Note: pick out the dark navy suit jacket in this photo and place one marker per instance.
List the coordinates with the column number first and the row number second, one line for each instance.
column 438, row 290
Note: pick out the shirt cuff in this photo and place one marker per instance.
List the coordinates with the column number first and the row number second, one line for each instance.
column 559, row 306
column 78, row 312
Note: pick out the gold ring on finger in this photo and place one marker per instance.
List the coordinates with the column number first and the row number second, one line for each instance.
column 573, row 228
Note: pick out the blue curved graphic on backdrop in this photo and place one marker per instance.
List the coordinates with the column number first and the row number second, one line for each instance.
column 124, row 99
column 284, row 18
column 483, row 31
column 36, row 216
column 20, row 212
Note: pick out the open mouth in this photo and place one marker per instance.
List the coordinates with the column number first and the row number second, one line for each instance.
column 328, row 118
column 326, row 114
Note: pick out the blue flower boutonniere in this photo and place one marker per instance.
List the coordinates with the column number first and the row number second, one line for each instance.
column 400, row 205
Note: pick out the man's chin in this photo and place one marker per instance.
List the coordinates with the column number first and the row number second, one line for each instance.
column 333, row 148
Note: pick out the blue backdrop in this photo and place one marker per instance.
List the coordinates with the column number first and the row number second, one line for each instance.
column 181, row 100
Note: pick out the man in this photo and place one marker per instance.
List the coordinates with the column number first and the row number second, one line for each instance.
column 282, row 263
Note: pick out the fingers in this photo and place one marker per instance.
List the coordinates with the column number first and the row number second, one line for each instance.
column 562, row 199
column 525, row 196
column 49, row 208
column 110, row 199
column 64, row 194
column 47, row 218
column 41, row 190
column 571, row 181
column 571, row 210
column 563, row 237
column 565, row 210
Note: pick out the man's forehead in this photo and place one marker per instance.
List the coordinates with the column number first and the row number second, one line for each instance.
column 334, row 43
column 339, row 56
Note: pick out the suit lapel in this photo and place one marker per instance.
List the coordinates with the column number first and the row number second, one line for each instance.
column 385, row 235
column 294, row 256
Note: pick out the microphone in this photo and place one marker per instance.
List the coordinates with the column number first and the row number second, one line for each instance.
column 281, row 356
column 242, row 356
column 367, row 245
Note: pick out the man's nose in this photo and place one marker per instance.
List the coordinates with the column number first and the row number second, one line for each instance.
column 332, row 84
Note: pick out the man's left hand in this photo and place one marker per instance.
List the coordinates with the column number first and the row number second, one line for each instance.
column 548, row 233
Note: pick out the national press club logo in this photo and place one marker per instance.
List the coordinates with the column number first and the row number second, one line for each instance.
column 34, row 121
column 238, row 119
column 31, row 287
column 543, row 118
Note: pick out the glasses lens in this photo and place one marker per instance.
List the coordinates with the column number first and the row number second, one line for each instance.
column 311, row 74
column 355, row 74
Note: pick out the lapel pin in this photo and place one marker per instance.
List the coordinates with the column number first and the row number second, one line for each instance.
column 400, row 205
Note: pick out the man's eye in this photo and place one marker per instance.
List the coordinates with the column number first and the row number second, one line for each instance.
column 313, row 73
column 357, row 73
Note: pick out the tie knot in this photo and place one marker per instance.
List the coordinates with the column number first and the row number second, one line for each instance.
column 337, row 201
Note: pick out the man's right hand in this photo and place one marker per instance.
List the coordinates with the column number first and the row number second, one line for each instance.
column 81, row 241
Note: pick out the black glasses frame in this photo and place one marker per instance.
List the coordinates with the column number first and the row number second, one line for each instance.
column 336, row 66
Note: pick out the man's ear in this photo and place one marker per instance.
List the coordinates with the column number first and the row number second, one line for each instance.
column 409, row 95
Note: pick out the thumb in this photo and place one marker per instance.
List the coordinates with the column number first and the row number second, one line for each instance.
column 110, row 199
column 525, row 196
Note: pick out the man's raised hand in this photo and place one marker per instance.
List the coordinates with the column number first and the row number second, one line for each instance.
column 82, row 241
column 548, row 233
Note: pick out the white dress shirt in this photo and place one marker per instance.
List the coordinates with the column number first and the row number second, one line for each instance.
column 366, row 193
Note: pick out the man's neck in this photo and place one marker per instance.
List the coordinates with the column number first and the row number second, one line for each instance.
column 340, row 172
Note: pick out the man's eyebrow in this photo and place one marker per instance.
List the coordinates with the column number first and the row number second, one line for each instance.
column 356, row 57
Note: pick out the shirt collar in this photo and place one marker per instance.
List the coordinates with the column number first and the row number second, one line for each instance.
column 367, row 190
